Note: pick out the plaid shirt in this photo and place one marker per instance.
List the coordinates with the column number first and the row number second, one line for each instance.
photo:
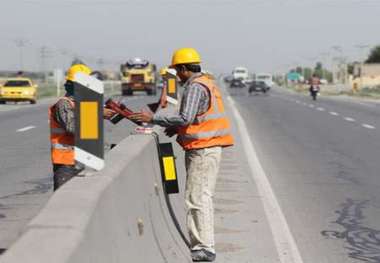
column 64, row 114
column 195, row 101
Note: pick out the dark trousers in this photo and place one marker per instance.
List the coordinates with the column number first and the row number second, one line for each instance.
column 63, row 174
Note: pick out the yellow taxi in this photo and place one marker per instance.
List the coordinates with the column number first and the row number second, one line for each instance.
column 18, row 89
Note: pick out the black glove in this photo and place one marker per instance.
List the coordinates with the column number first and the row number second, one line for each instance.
column 171, row 131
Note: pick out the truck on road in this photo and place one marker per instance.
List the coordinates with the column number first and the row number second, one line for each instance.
column 240, row 73
column 138, row 75
column 266, row 77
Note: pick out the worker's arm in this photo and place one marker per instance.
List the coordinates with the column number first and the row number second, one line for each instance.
column 163, row 98
column 65, row 115
column 194, row 98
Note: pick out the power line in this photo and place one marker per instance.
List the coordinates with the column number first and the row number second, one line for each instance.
column 21, row 43
column 45, row 53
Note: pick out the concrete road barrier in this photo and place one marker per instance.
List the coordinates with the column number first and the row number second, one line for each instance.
column 116, row 215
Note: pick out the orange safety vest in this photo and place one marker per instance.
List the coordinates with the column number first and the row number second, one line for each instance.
column 211, row 128
column 62, row 142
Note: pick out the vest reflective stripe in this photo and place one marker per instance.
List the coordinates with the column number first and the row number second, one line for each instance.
column 62, row 142
column 60, row 146
column 57, row 131
column 204, row 135
column 211, row 128
column 208, row 126
column 212, row 116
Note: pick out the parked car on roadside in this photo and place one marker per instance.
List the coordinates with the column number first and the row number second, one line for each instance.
column 18, row 89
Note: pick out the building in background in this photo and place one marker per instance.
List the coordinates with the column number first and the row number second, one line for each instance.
column 365, row 75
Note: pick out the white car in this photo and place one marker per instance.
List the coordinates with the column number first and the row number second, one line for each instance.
column 240, row 73
column 267, row 78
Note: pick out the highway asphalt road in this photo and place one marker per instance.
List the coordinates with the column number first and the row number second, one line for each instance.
column 25, row 169
column 322, row 160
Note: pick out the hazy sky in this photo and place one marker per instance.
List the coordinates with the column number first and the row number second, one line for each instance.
column 264, row 35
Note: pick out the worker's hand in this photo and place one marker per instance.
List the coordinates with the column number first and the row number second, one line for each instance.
column 143, row 116
column 171, row 131
column 108, row 113
column 163, row 99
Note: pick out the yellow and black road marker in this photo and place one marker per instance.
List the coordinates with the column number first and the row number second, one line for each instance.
column 172, row 87
column 89, row 134
column 168, row 168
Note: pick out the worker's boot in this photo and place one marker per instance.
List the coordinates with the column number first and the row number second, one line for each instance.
column 202, row 255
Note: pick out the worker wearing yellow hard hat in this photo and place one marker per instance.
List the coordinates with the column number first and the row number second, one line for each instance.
column 185, row 56
column 73, row 70
column 62, row 129
column 163, row 97
column 203, row 130
column 163, row 71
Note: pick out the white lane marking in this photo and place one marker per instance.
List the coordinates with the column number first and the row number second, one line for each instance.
column 311, row 106
column 367, row 105
column 350, row 119
column 320, row 109
column 334, row 113
column 368, row 126
column 298, row 102
column 286, row 246
column 27, row 128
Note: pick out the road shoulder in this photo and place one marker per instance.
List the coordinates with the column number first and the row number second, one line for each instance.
column 241, row 227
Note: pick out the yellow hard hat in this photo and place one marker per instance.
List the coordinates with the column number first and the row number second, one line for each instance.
column 186, row 56
column 76, row 69
column 163, row 71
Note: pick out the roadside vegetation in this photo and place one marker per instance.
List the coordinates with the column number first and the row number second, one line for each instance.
column 373, row 93
column 374, row 56
column 46, row 90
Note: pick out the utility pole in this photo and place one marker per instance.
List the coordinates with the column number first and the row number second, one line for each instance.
column 64, row 55
column 361, row 48
column 339, row 50
column 21, row 43
column 325, row 59
column 45, row 53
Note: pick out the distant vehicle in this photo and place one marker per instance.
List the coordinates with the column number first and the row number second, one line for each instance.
column 323, row 81
column 314, row 91
column 240, row 73
column 138, row 75
column 258, row 86
column 267, row 78
column 249, row 80
column 228, row 78
column 237, row 83
column 18, row 89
